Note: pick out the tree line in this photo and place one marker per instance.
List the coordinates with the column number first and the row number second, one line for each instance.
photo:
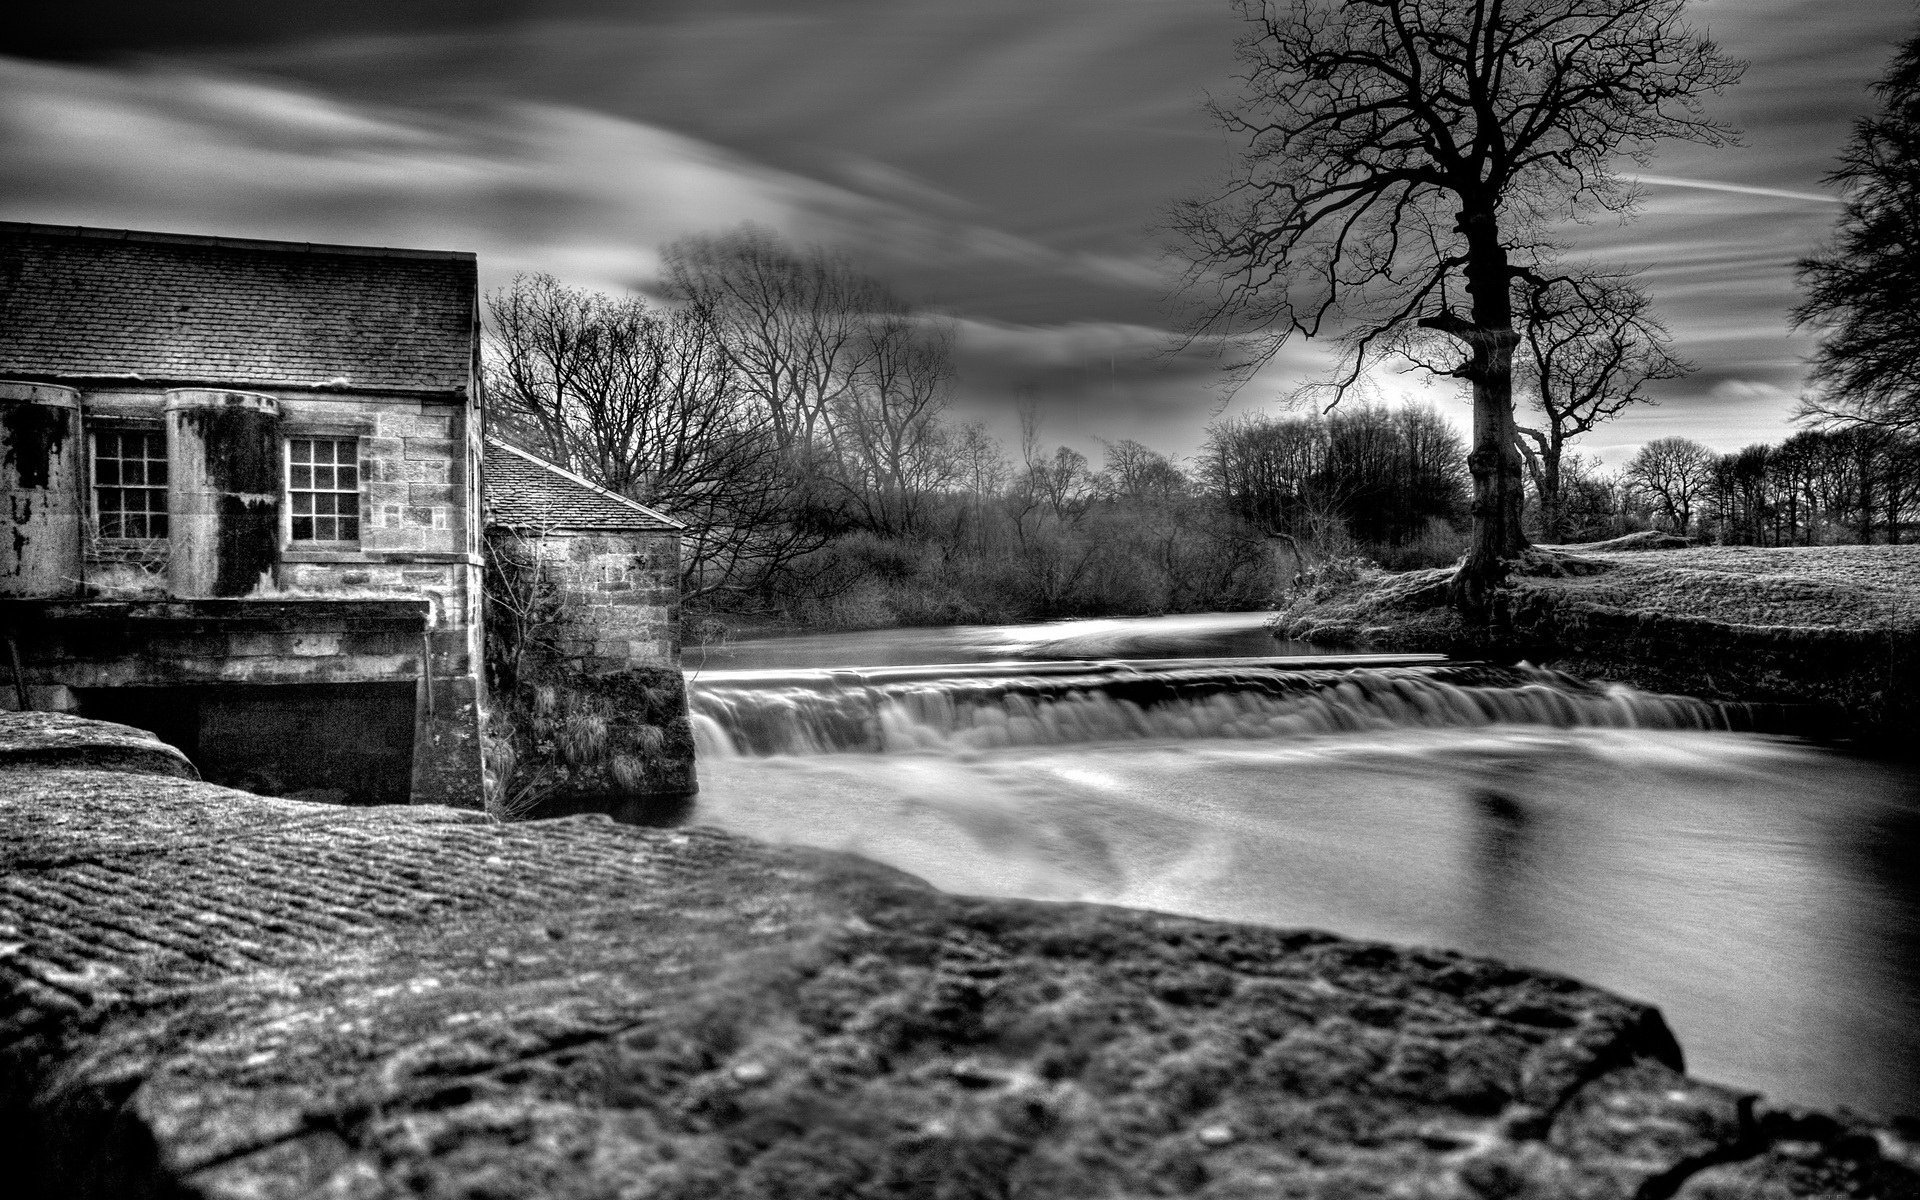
column 1855, row 484
column 795, row 413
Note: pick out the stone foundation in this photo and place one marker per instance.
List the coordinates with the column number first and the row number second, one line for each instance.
column 360, row 700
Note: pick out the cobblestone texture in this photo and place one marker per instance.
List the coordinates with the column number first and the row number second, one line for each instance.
column 214, row 994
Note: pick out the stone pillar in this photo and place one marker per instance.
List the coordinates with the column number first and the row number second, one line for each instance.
column 447, row 751
column 42, row 465
column 223, row 452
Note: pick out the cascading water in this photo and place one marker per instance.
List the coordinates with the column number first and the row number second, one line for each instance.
column 1759, row 889
column 961, row 708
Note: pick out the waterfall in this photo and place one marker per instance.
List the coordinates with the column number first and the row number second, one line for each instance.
column 968, row 708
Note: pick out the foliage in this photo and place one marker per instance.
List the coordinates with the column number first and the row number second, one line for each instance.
column 1402, row 160
column 1860, row 293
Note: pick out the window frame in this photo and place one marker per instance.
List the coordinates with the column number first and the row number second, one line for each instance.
column 121, row 544
column 287, row 515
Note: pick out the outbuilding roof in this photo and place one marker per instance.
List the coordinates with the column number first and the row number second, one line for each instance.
column 105, row 304
column 526, row 491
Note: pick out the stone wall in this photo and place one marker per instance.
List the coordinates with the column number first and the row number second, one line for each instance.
column 618, row 597
column 584, row 632
column 419, row 541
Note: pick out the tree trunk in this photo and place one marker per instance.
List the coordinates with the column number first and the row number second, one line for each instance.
column 1499, row 488
column 1552, row 523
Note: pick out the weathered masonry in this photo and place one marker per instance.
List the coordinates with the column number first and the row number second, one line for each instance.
column 584, row 627
column 240, row 482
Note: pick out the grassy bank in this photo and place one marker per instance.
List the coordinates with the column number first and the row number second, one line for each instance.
column 1832, row 626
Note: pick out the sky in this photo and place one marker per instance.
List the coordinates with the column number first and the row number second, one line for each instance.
column 1007, row 162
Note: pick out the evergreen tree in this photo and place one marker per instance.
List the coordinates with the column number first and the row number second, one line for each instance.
column 1863, row 294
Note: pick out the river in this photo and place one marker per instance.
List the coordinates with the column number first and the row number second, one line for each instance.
column 1762, row 890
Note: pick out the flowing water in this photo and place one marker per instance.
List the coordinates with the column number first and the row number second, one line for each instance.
column 1761, row 890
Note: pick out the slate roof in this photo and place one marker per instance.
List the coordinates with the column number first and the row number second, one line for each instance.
column 523, row 490
column 79, row 303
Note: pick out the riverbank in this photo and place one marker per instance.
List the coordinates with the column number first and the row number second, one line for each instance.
column 212, row 993
column 1836, row 628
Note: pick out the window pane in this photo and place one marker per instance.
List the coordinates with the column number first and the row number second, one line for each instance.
column 324, row 489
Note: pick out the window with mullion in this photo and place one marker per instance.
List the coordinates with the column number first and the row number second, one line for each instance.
column 323, row 489
column 130, row 484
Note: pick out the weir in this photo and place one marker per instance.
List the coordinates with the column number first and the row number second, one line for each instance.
column 982, row 706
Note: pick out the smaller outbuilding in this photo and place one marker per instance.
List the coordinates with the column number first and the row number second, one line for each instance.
column 583, row 629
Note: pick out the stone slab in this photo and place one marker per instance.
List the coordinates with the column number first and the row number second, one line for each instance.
column 208, row 993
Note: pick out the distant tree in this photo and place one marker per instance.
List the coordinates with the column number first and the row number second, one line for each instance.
column 1674, row 472
column 1588, row 348
column 1132, row 471
column 794, row 324
column 1403, row 162
column 1372, row 475
column 1740, row 496
column 891, row 452
column 1863, row 294
column 980, row 460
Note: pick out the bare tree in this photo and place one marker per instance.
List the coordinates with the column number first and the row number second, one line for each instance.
column 892, row 451
column 1402, row 161
column 1588, row 349
column 644, row 402
column 982, row 462
column 1676, row 472
column 793, row 324
column 1132, row 471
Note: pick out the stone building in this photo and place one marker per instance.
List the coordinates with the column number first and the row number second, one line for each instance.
column 240, row 487
column 584, row 623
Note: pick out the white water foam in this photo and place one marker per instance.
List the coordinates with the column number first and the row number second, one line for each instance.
column 968, row 714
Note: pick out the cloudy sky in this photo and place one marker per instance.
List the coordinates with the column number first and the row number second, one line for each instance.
column 1003, row 160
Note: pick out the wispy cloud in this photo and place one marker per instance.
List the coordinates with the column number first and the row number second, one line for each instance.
column 1708, row 185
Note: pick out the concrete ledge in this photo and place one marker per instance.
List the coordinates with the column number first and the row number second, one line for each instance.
column 213, row 994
